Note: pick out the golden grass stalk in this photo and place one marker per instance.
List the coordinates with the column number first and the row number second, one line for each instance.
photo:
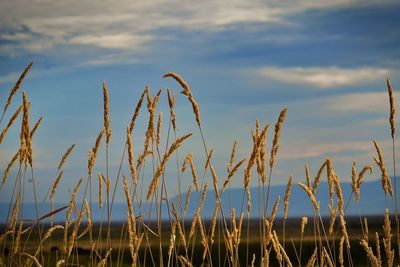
column 341, row 258
column 74, row 233
column 339, row 194
column 328, row 258
column 172, row 239
column 368, row 250
column 137, row 109
column 185, row 262
column 171, row 102
column 10, row 122
column 14, row 215
column 158, row 133
column 100, row 191
column 187, row 92
column 275, row 246
column 194, row 175
column 17, row 241
column 9, row 167
column 178, row 224
column 210, row 154
column 304, row 221
column 318, row 177
column 65, row 156
column 107, row 128
column 262, row 158
column 26, row 144
column 354, row 182
column 275, row 142
column 392, row 108
column 232, row 159
column 231, row 174
column 68, row 214
column 310, row 195
column 253, row 157
column 93, row 153
column 253, row 261
column 131, row 158
column 387, row 241
column 154, row 183
column 32, row 258
column 378, row 248
column 51, row 230
column 89, row 215
column 333, row 214
column 274, row 210
column 214, row 223
column 198, row 211
column 215, row 183
column 287, row 196
column 54, row 189
column 366, row 231
column 187, row 201
column 17, row 86
column 313, row 258
column 308, row 179
column 344, row 231
column 386, row 183
column 35, row 127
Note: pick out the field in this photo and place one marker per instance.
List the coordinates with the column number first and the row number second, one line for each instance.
column 231, row 237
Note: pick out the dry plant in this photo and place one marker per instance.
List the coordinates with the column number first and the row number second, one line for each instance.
column 158, row 230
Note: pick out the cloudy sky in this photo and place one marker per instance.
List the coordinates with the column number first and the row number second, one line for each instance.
column 326, row 61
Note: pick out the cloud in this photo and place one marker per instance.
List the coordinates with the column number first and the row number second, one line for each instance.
column 115, row 41
column 356, row 102
column 324, row 77
column 316, row 150
column 131, row 24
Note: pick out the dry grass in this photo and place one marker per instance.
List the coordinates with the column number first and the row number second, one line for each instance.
column 222, row 241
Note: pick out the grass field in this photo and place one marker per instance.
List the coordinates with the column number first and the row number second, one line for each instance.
column 227, row 239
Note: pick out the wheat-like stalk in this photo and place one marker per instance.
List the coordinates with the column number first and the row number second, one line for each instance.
column 137, row 109
column 154, row 183
column 231, row 174
column 17, row 86
column 32, row 258
column 158, row 133
column 232, row 158
column 387, row 241
column 386, row 183
column 131, row 158
column 10, row 122
column 368, row 250
column 275, row 142
column 9, row 167
column 287, row 196
column 310, row 195
column 392, row 108
column 107, row 128
column 171, row 102
column 93, row 153
column 65, row 156
column 344, row 231
column 187, row 92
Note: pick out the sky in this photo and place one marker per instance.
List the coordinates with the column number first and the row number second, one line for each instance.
column 326, row 61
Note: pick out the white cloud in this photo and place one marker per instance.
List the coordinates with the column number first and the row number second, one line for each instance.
column 130, row 24
column 116, row 41
column 357, row 102
column 324, row 77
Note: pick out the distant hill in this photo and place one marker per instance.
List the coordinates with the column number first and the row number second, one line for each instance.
column 372, row 203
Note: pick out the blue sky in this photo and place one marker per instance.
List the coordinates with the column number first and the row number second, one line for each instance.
column 326, row 61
